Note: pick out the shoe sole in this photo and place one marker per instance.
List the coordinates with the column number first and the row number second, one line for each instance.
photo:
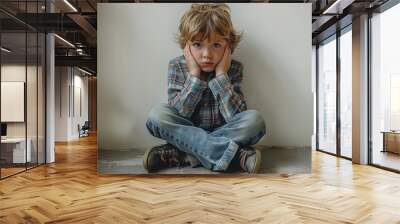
column 258, row 162
column 145, row 159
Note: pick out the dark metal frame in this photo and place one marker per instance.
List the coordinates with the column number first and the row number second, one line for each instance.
column 369, row 82
column 0, row 92
column 44, row 79
column 317, row 97
column 45, row 89
column 338, row 97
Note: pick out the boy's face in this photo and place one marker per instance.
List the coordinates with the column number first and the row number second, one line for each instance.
column 208, row 52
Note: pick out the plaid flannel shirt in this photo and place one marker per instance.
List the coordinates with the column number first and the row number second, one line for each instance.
column 208, row 104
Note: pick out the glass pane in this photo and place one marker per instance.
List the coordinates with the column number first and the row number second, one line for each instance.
column 41, row 98
column 22, row 88
column 346, row 94
column 386, row 89
column 31, row 101
column 327, row 97
column 314, row 90
column 395, row 101
column 13, row 86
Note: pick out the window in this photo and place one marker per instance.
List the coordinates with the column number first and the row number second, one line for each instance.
column 346, row 94
column 327, row 96
column 385, row 88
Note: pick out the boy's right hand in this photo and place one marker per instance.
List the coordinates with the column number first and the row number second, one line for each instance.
column 194, row 69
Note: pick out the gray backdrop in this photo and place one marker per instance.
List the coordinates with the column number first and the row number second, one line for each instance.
column 136, row 41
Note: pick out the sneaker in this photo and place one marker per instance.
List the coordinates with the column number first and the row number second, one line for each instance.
column 163, row 156
column 249, row 159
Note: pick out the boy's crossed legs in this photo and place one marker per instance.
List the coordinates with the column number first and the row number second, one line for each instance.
column 214, row 150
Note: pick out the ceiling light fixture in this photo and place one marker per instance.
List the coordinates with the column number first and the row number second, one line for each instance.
column 84, row 71
column 5, row 50
column 64, row 40
column 331, row 7
column 337, row 7
column 70, row 5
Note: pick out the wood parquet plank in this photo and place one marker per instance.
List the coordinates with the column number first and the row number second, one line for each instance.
column 71, row 191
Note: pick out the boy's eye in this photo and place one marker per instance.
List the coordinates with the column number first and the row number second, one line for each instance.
column 196, row 45
column 217, row 45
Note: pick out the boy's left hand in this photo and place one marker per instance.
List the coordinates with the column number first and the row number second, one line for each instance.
column 225, row 63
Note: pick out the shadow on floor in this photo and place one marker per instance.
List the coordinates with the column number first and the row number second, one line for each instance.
column 287, row 160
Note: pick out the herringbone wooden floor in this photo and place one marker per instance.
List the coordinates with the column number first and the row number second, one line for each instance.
column 70, row 191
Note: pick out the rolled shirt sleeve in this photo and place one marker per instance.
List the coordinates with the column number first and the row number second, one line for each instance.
column 184, row 90
column 228, row 94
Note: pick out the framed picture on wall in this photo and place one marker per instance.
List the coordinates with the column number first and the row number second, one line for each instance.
column 12, row 101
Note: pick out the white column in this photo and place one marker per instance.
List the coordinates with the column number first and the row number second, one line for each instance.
column 360, row 90
column 50, row 100
column 50, row 92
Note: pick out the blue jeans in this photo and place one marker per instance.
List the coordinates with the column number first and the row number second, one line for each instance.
column 214, row 150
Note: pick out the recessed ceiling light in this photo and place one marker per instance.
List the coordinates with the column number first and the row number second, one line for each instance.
column 338, row 6
column 70, row 5
column 64, row 40
column 5, row 50
column 84, row 71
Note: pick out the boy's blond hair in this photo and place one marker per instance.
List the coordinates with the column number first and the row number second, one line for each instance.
column 206, row 19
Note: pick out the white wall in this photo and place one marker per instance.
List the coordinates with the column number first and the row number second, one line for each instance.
column 33, row 127
column 61, row 103
column 18, row 73
column 68, row 81
column 133, row 59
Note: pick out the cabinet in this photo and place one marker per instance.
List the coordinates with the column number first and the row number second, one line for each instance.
column 13, row 150
column 391, row 142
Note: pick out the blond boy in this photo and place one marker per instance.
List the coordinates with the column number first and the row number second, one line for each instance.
column 206, row 121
